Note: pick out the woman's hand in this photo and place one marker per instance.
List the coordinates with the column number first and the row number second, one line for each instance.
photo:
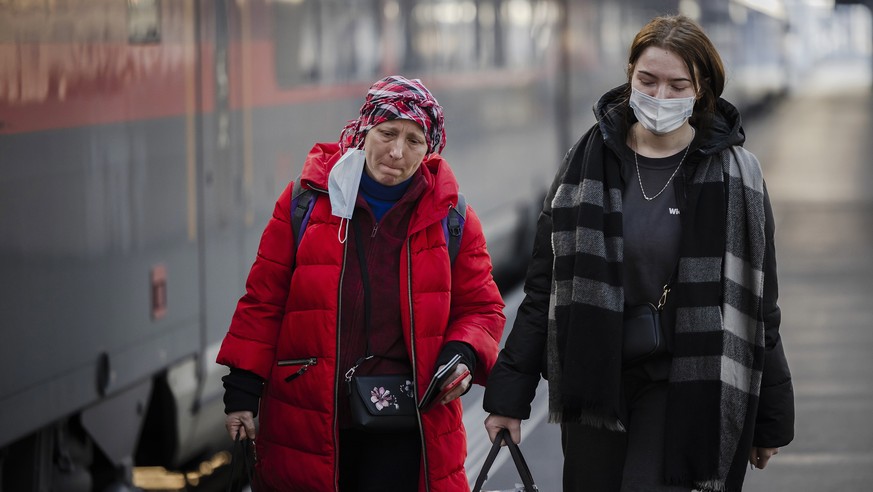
column 759, row 457
column 242, row 422
column 459, row 389
column 493, row 424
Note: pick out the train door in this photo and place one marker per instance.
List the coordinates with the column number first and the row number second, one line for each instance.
column 221, row 224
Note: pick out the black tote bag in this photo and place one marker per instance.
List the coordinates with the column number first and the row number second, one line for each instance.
column 242, row 465
column 517, row 458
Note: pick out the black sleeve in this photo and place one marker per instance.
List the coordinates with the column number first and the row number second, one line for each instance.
column 468, row 355
column 513, row 381
column 242, row 391
column 774, row 426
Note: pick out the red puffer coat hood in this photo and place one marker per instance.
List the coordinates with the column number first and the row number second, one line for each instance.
column 276, row 331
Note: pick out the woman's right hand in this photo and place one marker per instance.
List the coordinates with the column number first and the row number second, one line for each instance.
column 493, row 424
column 242, row 422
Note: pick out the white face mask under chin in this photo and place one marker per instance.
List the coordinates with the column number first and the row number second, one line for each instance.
column 660, row 116
column 342, row 188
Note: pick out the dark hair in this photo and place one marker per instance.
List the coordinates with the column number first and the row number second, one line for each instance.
column 684, row 37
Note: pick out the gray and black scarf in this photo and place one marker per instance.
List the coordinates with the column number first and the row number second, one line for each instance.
column 719, row 332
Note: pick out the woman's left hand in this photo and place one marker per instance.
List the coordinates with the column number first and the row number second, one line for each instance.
column 459, row 389
column 759, row 457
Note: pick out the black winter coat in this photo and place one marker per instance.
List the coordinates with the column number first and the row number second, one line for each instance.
column 513, row 381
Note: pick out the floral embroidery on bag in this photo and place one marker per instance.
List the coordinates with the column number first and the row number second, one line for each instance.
column 383, row 398
column 407, row 388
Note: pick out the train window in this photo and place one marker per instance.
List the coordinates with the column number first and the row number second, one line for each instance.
column 331, row 41
column 457, row 35
column 326, row 41
column 296, row 43
column 351, row 37
column 443, row 35
column 517, row 18
column 143, row 21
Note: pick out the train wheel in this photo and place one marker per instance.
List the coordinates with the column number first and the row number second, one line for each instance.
column 56, row 458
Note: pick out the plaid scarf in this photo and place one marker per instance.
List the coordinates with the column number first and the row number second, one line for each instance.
column 719, row 342
column 396, row 97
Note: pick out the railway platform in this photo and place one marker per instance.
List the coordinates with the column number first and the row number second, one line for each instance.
column 816, row 149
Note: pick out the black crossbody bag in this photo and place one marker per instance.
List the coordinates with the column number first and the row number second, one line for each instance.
column 643, row 332
column 379, row 403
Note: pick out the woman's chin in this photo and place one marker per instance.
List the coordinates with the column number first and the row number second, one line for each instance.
column 389, row 179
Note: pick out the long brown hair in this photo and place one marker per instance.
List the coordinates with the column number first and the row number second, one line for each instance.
column 684, row 37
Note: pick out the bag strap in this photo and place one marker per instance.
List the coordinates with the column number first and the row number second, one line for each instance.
column 365, row 279
column 662, row 301
column 302, row 200
column 517, row 458
column 242, row 460
column 454, row 226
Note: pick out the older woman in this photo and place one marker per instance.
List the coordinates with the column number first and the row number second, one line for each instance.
column 369, row 289
column 659, row 210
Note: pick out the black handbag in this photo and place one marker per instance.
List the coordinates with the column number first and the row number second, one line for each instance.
column 379, row 403
column 642, row 333
column 242, row 465
column 520, row 464
column 383, row 403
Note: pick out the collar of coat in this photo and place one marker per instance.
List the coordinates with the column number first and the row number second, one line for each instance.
column 441, row 191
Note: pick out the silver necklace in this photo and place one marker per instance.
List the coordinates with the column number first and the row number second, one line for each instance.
column 640, row 179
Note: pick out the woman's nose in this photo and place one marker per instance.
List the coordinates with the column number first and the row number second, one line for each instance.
column 396, row 150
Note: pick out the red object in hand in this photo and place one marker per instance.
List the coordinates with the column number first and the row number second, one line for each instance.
column 437, row 389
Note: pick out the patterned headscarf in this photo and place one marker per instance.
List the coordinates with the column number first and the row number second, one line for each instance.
column 396, row 97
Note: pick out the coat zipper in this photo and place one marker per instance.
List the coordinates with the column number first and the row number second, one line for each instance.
column 414, row 372
column 336, row 376
column 305, row 363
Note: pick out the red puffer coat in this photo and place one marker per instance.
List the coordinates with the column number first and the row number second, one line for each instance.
column 297, row 441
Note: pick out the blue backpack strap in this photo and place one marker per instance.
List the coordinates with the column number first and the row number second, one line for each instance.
column 302, row 201
column 453, row 226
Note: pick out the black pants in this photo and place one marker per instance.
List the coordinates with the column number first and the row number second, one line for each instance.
column 597, row 460
column 370, row 462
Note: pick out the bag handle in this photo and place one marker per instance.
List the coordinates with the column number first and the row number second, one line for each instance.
column 242, row 460
column 517, row 458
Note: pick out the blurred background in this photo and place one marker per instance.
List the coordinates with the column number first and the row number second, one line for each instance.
column 143, row 144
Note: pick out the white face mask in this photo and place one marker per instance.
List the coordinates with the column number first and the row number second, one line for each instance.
column 660, row 116
column 342, row 187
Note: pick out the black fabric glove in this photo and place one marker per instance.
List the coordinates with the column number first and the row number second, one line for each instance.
column 468, row 356
column 242, row 391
